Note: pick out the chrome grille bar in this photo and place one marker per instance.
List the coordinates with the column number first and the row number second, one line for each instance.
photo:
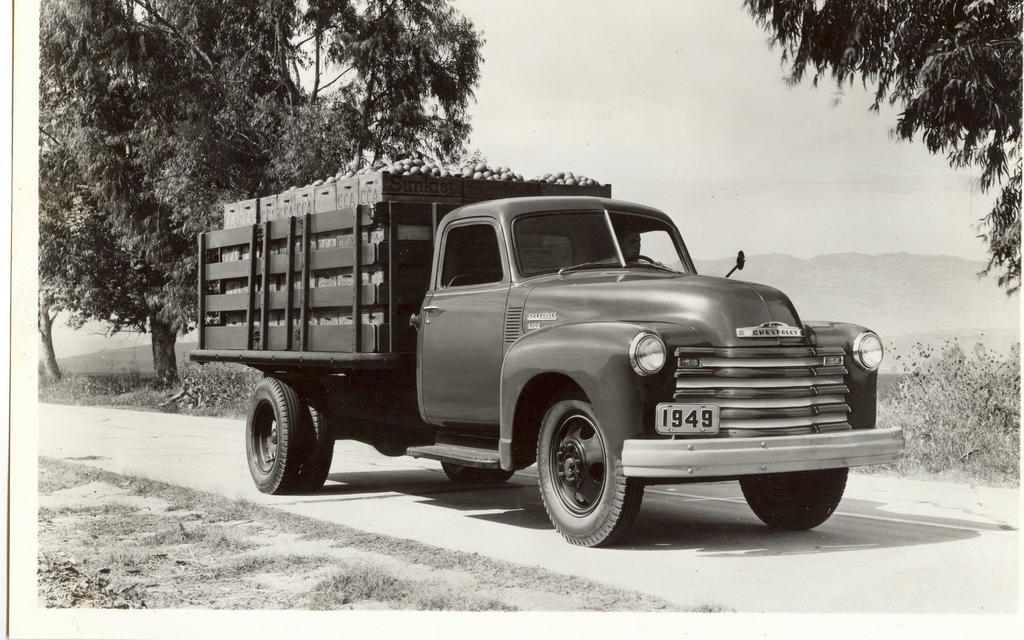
column 813, row 361
column 765, row 391
column 776, row 403
column 756, row 383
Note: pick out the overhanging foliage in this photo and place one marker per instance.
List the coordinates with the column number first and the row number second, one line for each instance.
column 954, row 66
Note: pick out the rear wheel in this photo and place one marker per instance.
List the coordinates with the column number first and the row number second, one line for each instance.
column 272, row 437
column 318, row 450
column 798, row 500
column 587, row 497
column 474, row 475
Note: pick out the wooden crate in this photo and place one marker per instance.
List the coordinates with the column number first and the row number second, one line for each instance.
column 418, row 188
column 480, row 190
column 597, row 191
column 238, row 214
column 269, row 209
column 325, row 198
column 347, row 193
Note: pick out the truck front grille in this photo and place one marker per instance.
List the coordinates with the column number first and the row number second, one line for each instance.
column 767, row 391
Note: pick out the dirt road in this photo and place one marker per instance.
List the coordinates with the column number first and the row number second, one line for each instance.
column 895, row 545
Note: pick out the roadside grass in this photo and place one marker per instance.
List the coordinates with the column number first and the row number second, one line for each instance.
column 960, row 414
column 114, row 541
column 216, row 390
column 124, row 390
column 360, row 580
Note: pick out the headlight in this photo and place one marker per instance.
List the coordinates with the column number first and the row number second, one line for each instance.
column 647, row 353
column 868, row 351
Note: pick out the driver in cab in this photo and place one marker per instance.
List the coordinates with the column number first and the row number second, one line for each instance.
column 629, row 242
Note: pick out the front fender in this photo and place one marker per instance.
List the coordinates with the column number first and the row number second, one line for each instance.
column 863, row 385
column 595, row 356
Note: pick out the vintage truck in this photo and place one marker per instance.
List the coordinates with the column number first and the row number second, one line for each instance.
column 444, row 319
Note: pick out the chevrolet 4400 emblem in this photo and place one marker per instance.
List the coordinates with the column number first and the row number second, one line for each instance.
column 770, row 330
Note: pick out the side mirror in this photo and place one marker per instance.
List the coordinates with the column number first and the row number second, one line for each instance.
column 740, row 261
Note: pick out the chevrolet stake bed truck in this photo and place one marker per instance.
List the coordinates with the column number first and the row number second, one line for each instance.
column 570, row 332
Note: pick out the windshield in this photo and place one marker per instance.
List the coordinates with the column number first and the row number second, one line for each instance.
column 550, row 242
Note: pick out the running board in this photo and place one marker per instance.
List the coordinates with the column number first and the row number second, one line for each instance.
column 454, row 454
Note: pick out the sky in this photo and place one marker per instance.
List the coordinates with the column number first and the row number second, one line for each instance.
column 682, row 105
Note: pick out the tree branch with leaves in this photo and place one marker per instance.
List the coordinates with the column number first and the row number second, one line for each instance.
column 167, row 109
column 953, row 66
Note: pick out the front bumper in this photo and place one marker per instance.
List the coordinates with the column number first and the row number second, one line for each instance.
column 709, row 458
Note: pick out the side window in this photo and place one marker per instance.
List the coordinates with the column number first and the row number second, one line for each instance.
column 471, row 256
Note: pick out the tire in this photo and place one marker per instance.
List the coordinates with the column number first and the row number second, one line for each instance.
column 796, row 501
column 475, row 475
column 318, row 450
column 587, row 497
column 272, row 437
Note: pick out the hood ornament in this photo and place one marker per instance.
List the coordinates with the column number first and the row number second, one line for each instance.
column 770, row 330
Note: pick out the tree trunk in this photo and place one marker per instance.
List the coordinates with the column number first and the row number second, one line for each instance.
column 164, row 361
column 45, row 330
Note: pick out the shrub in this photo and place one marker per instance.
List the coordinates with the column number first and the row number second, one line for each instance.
column 209, row 390
column 217, row 389
column 960, row 412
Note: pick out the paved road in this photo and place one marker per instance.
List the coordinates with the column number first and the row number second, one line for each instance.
column 894, row 545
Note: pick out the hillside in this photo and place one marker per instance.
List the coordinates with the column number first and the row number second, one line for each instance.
column 907, row 299
column 123, row 360
column 894, row 294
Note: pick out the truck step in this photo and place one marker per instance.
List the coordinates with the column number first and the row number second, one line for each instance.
column 466, row 456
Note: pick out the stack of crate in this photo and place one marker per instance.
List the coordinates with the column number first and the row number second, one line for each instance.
column 310, row 279
column 372, row 188
column 369, row 243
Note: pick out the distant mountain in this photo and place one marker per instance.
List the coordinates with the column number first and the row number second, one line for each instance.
column 893, row 293
column 123, row 360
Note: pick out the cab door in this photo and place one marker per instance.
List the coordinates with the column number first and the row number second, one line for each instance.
column 462, row 328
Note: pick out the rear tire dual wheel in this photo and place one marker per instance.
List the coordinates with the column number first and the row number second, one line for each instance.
column 474, row 475
column 587, row 497
column 318, row 451
column 796, row 501
column 286, row 441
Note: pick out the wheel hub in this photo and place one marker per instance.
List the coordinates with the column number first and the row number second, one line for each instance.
column 571, row 460
column 270, row 448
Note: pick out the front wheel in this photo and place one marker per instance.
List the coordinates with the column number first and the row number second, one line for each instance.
column 587, row 497
column 797, row 500
column 474, row 475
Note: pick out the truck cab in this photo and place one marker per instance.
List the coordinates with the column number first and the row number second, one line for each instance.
column 574, row 333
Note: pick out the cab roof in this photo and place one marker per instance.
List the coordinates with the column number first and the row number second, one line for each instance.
column 506, row 209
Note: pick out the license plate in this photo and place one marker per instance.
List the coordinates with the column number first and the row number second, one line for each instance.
column 686, row 418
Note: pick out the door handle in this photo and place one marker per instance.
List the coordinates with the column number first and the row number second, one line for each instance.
column 430, row 309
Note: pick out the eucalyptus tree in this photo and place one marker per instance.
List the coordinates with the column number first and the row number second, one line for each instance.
column 953, row 66
column 166, row 109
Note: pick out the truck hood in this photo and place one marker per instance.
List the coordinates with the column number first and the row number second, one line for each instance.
column 715, row 307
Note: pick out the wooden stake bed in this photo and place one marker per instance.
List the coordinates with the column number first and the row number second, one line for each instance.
column 329, row 276
column 291, row 289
